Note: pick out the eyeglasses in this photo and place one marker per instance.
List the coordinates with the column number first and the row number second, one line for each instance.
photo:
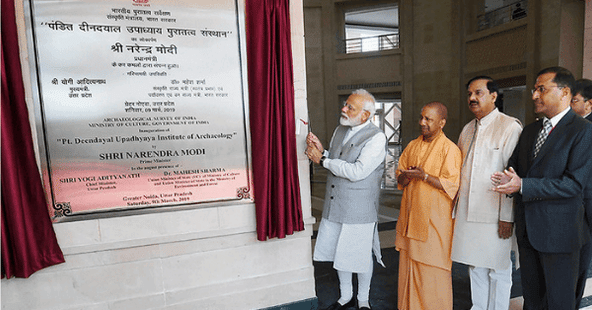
column 541, row 89
column 579, row 98
column 348, row 106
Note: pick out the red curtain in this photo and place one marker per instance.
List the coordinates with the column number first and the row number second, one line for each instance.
column 273, row 133
column 28, row 240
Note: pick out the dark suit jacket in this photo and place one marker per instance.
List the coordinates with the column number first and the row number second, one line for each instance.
column 550, row 208
column 588, row 193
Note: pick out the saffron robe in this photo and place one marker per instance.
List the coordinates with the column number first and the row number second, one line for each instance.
column 424, row 228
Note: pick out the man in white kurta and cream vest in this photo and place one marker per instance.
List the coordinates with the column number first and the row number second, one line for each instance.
column 483, row 227
column 348, row 232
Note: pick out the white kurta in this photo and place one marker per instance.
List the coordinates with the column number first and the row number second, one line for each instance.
column 486, row 145
column 350, row 246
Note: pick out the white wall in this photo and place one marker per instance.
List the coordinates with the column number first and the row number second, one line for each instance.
column 205, row 258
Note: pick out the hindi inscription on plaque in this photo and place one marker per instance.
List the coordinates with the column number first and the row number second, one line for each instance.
column 143, row 103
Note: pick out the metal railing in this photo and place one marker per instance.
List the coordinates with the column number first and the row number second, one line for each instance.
column 390, row 124
column 506, row 14
column 370, row 44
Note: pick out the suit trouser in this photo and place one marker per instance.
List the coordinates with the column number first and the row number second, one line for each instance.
column 585, row 257
column 548, row 279
column 490, row 288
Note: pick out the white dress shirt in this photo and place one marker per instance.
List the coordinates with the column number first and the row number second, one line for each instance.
column 554, row 121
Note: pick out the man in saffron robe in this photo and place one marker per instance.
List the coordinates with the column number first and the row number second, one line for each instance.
column 429, row 174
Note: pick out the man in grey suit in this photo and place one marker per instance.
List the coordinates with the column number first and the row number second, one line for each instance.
column 581, row 103
column 348, row 232
column 547, row 173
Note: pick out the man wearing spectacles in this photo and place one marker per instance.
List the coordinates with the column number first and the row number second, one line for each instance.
column 547, row 174
column 581, row 103
column 541, row 89
column 348, row 233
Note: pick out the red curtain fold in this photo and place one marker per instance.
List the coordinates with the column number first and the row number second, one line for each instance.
column 271, row 104
column 28, row 239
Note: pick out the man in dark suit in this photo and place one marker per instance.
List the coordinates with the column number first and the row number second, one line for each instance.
column 547, row 173
column 581, row 103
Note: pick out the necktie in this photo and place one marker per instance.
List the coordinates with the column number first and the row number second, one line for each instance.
column 542, row 136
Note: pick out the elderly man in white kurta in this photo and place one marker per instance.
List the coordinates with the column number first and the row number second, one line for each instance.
column 348, row 232
column 483, row 227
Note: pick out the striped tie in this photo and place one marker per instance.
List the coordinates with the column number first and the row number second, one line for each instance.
column 547, row 126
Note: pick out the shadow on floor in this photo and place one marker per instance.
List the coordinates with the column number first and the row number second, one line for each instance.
column 383, row 290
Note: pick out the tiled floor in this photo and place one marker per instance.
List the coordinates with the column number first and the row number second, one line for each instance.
column 383, row 291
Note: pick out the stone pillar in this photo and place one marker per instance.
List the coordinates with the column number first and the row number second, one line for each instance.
column 587, row 66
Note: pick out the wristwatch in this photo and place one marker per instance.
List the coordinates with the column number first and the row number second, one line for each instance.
column 322, row 160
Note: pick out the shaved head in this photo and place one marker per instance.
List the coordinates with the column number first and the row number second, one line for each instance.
column 433, row 119
column 439, row 107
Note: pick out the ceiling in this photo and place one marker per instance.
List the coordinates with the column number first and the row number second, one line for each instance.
column 385, row 17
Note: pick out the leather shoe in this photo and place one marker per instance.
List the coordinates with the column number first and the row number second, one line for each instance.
column 338, row 306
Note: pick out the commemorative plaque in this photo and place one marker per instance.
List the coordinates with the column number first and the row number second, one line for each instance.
column 143, row 103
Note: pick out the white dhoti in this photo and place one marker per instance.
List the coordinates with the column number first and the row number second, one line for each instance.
column 348, row 246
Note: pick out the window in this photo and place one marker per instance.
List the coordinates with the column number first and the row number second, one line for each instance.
column 388, row 118
column 498, row 12
column 371, row 29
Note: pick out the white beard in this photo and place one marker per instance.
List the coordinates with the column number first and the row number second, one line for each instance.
column 345, row 121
